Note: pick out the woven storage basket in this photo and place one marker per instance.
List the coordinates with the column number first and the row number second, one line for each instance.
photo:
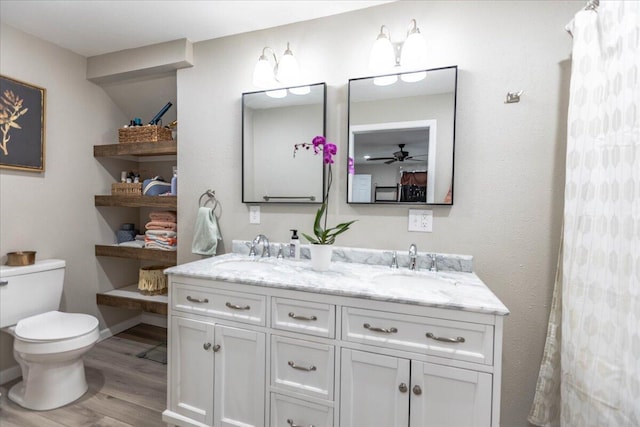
column 148, row 133
column 124, row 189
column 152, row 281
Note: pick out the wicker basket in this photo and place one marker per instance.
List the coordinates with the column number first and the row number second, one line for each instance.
column 148, row 133
column 152, row 281
column 124, row 189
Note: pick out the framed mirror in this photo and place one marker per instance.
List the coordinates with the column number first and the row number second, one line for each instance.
column 402, row 138
column 272, row 123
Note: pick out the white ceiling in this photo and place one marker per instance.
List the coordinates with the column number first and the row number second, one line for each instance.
column 94, row 27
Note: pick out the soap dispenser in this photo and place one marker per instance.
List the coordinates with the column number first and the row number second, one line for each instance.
column 294, row 245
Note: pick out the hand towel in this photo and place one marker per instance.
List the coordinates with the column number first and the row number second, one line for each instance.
column 205, row 233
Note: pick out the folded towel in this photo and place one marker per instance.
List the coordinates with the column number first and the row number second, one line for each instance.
column 133, row 244
column 159, row 246
column 160, row 233
column 161, row 225
column 168, row 216
column 205, row 233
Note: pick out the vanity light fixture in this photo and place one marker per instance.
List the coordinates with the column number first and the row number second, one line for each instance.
column 384, row 55
column 285, row 71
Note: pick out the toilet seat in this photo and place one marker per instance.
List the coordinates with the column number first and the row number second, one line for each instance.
column 55, row 326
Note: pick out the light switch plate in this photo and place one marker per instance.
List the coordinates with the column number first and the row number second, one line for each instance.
column 254, row 214
column 420, row 220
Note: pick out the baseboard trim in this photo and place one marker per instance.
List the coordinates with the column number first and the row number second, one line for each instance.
column 153, row 319
column 119, row 327
column 10, row 374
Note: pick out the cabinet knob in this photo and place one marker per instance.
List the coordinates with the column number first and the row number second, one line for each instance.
column 417, row 390
column 216, row 348
column 403, row 388
column 206, row 345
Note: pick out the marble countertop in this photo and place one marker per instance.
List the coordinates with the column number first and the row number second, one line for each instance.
column 445, row 289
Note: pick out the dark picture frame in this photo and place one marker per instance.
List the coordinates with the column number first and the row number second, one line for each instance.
column 22, row 125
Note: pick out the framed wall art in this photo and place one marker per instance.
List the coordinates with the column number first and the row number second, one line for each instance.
column 22, row 125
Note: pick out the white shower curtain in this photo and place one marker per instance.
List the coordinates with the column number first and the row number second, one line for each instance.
column 590, row 373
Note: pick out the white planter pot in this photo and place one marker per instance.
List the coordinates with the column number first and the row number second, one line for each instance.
column 320, row 257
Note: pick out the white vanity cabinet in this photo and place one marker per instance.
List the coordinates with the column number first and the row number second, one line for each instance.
column 268, row 354
column 216, row 371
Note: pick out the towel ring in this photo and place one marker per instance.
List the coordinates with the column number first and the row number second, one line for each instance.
column 211, row 198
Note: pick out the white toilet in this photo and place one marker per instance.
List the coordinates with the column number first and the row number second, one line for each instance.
column 48, row 345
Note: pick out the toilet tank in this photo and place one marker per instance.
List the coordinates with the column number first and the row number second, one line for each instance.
column 29, row 290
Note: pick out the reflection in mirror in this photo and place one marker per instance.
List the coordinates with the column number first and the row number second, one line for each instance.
column 401, row 139
column 272, row 123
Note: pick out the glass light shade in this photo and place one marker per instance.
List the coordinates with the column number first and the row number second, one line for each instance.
column 414, row 51
column 263, row 73
column 382, row 58
column 301, row 90
column 288, row 70
column 385, row 80
column 278, row 93
column 413, row 77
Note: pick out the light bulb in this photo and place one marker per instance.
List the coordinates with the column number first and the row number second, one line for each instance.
column 288, row 70
column 413, row 77
column 382, row 58
column 414, row 51
column 263, row 73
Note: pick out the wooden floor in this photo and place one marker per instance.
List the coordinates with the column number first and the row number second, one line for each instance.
column 124, row 390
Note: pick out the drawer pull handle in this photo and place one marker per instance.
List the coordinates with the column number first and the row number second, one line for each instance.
column 445, row 339
column 383, row 330
column 238, row 307
column 198, row 300
column 292, row 424
column 298, row 317
column 301, row 368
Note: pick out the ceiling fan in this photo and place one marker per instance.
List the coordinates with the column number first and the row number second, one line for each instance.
column 398, row 156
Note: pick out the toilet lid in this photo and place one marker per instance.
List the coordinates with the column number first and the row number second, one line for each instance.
column 55, row 325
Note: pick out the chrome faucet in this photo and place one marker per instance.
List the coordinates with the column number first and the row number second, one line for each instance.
column 434, row 262
column 394, row 260
column 413, row 256
column 266, row 248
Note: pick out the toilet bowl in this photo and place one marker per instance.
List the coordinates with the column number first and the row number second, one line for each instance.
column 48, row 345
column 49, row 348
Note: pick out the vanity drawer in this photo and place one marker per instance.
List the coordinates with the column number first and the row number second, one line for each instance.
column 305, row 317
column 466, row 341
column 240, row 307
column 287, row 411
column 302, row 366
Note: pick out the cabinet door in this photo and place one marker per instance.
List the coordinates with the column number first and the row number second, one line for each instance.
column 374, row 390
column 239, row 377
column 191, row 369
column 446, row 396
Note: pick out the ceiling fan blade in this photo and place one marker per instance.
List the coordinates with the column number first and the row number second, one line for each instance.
column 414, row 157
column 388, row 162
column 380, row 158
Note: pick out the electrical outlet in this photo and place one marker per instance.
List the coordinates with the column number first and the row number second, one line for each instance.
column 254, row 214
column 420, row 220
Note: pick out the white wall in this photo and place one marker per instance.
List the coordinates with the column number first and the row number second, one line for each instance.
column 509, row 169
column 52, row 212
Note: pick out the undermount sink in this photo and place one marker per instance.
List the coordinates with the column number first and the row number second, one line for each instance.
column 412, row 278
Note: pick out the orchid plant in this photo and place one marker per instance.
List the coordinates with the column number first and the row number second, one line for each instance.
column 323, row 235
